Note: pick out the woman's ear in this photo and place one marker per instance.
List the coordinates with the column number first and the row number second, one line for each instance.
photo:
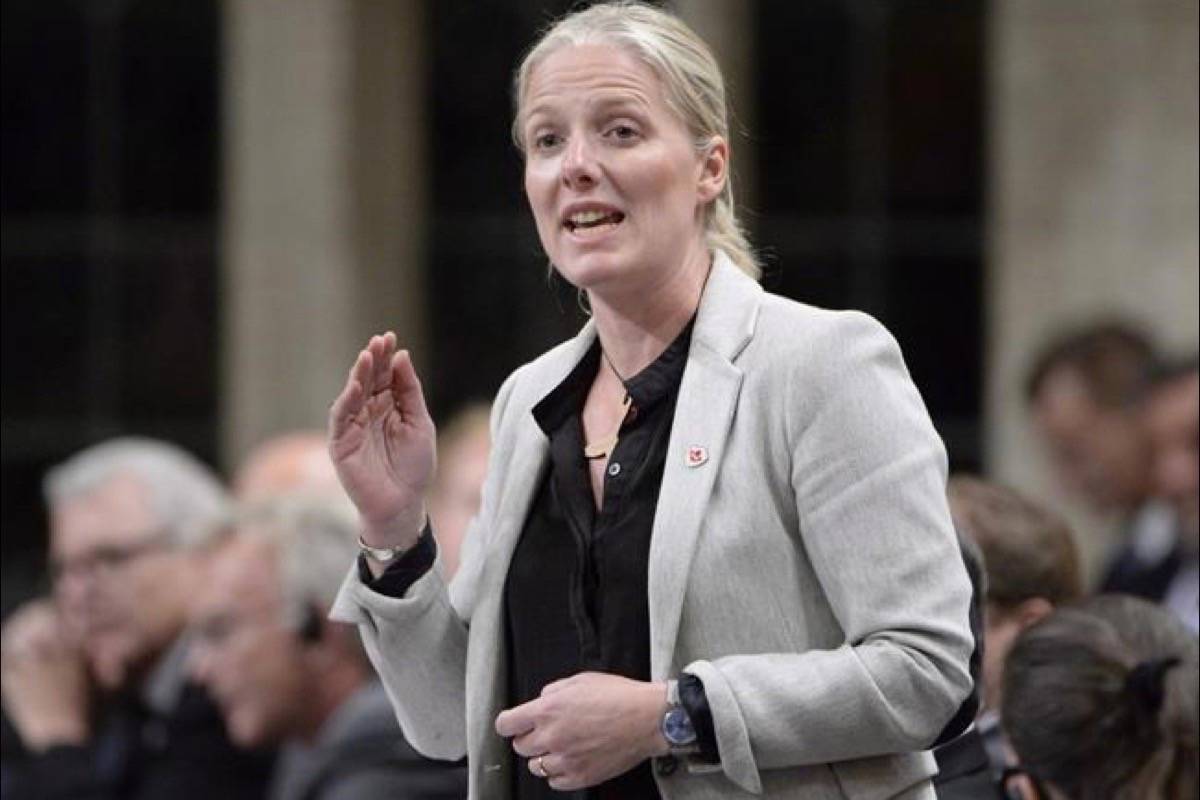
column 714, row 170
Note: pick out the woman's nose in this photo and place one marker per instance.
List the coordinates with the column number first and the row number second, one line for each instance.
column 579, row 169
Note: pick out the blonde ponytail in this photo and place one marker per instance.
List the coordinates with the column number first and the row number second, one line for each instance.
column 725, row 233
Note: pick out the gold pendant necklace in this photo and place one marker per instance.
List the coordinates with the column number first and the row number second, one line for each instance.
column 605, row 446
column 602, row 448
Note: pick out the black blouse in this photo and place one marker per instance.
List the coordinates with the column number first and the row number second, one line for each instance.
column 576, row 597
column 576, row 592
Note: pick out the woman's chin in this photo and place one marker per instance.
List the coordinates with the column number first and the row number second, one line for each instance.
column 590, row 271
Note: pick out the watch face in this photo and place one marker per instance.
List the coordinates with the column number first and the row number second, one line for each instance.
column 677, row 727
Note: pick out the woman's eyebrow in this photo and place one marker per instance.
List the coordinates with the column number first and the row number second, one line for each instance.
column 620, row 103
column 541, row 109
column 605, row 103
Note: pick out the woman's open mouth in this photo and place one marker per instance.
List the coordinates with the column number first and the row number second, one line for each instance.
column 593, row 223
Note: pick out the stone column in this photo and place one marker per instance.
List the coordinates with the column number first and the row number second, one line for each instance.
column 324, row 201
column 1093, row 205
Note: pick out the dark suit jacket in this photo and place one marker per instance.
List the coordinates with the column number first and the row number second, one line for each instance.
column 964, row 770
column 1128, row 574
column 141, row 754
column 361, row 753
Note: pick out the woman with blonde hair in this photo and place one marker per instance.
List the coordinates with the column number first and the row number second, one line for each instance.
column 714, row 556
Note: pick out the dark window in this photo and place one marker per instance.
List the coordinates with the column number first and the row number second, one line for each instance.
column 110, row 147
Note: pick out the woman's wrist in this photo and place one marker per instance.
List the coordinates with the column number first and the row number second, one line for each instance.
column 402, row 531
column 657, row 744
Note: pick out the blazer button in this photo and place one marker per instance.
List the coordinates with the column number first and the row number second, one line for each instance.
column 666, row 765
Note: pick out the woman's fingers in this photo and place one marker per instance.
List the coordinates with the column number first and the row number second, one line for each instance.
column 379, row 368
column 406, row 388
column 350, row 401
column 528, row 744
column 550, row 768
column 345, row 409
column 364, row 369
column 381, row 348
column 516, row 721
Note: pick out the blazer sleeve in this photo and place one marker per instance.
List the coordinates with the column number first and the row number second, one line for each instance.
column 418, row 643
column 868, row 476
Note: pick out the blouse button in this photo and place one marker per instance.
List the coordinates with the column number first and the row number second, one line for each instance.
column 614, row 469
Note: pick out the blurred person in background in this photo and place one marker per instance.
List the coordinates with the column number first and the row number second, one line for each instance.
column 1031, row 566
column 95, row 681
column 715, row 555
column 1085, row 391
column 1172, row 417
column 454, row 498
column 284, row 674
column 297, row 461
column 964, row 766
column 1100, row 703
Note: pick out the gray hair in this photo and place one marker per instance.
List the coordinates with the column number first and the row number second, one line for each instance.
column 185, row 495
column 691, row 79
column 315, row 542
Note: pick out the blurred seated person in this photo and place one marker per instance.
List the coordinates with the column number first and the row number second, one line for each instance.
column 462, row 455
column 964, row 767
column 1031, row 567
column 1172, row 416
column 1100, row 701
column 1085, row 391
column 284, row 674
column 95, row 682
column 296, row 461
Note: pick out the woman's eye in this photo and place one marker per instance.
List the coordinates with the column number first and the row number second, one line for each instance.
column 544, row 141
column 623, row 132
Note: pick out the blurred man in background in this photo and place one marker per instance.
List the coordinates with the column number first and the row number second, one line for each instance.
column 1085, row 392
column 283, row 673
column 126, row 517
column 964, row 766
column 1031, row 567
column 290, row 463
column 454, row 499
column 1172, row 417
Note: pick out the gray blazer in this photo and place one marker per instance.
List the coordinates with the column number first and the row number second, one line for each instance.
column 802, row 564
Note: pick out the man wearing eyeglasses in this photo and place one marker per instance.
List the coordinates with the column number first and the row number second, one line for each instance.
column 94, row 678
column 283, row 674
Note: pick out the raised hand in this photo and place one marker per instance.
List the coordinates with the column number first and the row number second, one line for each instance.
column 44, row 678
column 382, row 443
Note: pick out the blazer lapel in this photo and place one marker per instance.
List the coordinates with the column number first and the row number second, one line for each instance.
column 707, row 399
column 487, row 656
column 704, row 414
column 528, row 464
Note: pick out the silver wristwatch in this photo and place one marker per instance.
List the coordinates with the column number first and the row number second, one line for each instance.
column 381, row 555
